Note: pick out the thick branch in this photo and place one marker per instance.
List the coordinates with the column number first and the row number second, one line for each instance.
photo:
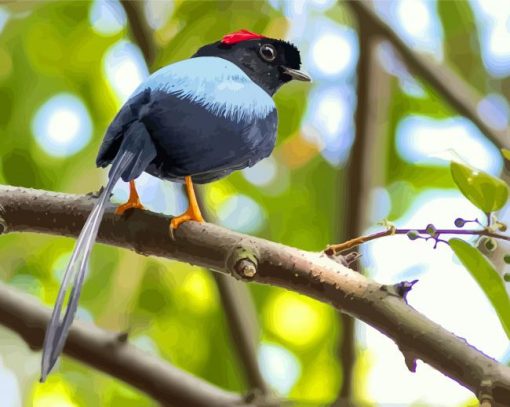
column 455, row 90
column 253, row 259
column 111, row 354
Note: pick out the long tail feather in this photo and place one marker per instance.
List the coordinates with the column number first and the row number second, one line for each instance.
column 134, row 155
column 58, row 329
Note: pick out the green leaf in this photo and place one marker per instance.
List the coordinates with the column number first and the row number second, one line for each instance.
column 485, row 191
column 506, row 153
column 487, row 278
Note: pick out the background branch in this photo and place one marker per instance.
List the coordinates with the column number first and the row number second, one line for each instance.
column 364, row 171
column 254, row 259
column 455, row 90
column 111, row 353
column 141, row 32
column 242, row 321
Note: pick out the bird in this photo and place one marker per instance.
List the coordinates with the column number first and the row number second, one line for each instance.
column 193, row 121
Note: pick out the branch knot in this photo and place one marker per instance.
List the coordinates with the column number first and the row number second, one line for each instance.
column 242, row 262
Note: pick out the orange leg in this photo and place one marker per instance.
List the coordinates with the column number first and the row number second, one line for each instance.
column 193, row 211
column 132, row 202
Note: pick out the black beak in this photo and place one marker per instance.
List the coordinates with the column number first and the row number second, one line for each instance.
column 297, row 75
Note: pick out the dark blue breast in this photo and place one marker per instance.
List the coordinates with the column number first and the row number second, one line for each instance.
column 205, row 117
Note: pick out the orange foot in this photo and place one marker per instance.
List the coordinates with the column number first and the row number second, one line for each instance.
column 133, row 201
column 193, row 211
column 185, row 217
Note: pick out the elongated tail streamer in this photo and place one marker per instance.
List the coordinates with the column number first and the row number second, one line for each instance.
column 58, row 329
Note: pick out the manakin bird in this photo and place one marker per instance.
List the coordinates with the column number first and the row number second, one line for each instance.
column 194, row 121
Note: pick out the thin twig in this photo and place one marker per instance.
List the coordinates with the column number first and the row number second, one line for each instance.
column 340, row 247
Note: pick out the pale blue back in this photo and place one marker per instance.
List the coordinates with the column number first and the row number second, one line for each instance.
column 215, row 83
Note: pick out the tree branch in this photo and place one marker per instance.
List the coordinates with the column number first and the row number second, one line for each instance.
column 242, row 322
column 419, row 233
column 364, row 161
column 455, row 90
column 110, row 353
column 141, row 31
column 254, row 259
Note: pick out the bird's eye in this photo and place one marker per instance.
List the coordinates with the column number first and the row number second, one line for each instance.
column 268, row 52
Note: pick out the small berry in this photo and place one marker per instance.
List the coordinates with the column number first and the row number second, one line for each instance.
column 430, row 229
column 459, row 222
column 506, row 277
column 413, row 234
column 506, row 259
column 490, row 244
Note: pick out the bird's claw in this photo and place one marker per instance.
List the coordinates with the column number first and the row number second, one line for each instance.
column 179, row 220
column 127, row 206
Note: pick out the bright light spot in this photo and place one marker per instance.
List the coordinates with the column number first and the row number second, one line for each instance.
column 380, row 204
column 107, row 17
column 197, row 289
column 417, row 23
column 4, row 16
column 218, row 192
column 295, row 8
column 393, row 64
column 9, row 387
column 493, row 18
column 495, row 110
column 499, row 43
column 419, row 138
column 279, row 367
column 322, row 5
column 242, row 214
column 156, row 195
column 53, row 394
column 322, row 381
column 84, row 315
column 498, row 47
column 262, row 173
column 414, row 17
column 62, row 126
column 125, row 68
column 464, row 311
column 158, row 12
column 296, row 319
column 332, row 53
column 330, row 112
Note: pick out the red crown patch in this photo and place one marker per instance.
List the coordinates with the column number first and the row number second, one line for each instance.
column 239, row 36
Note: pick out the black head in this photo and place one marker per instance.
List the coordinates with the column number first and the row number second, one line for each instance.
column 268, row 62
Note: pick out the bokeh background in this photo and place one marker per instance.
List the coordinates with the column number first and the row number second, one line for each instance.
column 67, row 67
